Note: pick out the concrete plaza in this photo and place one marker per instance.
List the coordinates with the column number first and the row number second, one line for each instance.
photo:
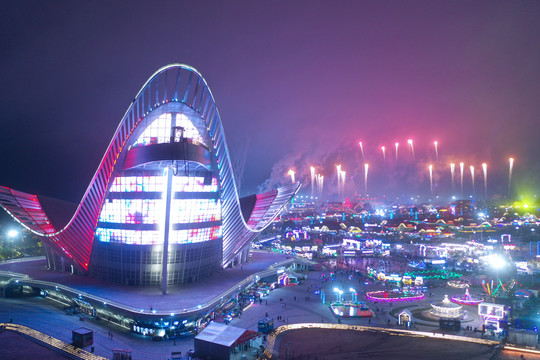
column 293, row 304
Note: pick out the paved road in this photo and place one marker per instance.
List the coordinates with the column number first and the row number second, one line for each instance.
column 301, row 310
column 47, row 318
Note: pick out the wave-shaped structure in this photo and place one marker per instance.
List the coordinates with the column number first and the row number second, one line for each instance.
column 165, row 182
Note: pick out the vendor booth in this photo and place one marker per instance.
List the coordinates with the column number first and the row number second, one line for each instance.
column 220, row 342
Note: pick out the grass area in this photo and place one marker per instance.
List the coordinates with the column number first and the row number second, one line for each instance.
column 417, row 313
column 395, row 311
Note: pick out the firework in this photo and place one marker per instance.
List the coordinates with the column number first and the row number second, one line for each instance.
column 312, row 169
column 362, row 150
column 366, row 169
column 461, row 168
column 431, row 178
column 472, row 177
column 411, row 147
column 340, row 180
column 343, row 173
column 436, row 143
column 484, row 168
column 397, row 146
column 338, row 169
column 320, row 184
column 383, row 152
column 291, row 174
column 510, row 168
column 452, row 170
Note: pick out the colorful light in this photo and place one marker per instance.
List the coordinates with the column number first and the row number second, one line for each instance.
column 362, row 150
column 397, row 146
column 434, row 274
column 436, row 143
column 383, row 152
column 384, row 296
column 466, row 299
column 460, row 284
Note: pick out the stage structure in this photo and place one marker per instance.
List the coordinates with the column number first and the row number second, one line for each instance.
column 162, row 207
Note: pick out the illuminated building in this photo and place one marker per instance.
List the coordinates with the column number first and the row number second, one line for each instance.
column 165, row 182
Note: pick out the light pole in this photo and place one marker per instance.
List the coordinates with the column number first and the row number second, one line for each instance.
column 354, row 297
column 497, row 262
column 339, row 292
column 12, row 234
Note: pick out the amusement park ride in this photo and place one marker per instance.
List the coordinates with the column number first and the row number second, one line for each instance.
column 492, row 288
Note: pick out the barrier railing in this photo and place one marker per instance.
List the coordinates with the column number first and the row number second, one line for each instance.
column 21, row 259
column 50, row 342
column 23, row 279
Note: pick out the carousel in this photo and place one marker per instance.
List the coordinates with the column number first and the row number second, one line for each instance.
column 466, row 299
column 446, row 309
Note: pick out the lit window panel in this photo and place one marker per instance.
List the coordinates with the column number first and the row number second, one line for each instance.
column 159, row 131
column 193, row 184
column 190, row 131
column 195, row 235
column 132, row 211
column 132, row 237
column 137, row 184
column 195, row 210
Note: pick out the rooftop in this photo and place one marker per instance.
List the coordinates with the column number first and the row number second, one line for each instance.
column 178, row 296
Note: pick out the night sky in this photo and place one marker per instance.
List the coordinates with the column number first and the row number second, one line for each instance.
column 297, row 83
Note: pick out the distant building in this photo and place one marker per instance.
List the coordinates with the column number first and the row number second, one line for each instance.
column 462, row 208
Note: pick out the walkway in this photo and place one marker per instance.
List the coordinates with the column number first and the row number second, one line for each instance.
column 49, row 342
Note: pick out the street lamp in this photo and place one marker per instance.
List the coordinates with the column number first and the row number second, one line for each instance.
column 354, row 295
column 12, row 234
column 497, row 262
column 339, row 292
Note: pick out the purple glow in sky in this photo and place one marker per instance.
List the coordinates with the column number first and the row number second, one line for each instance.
column 298, row 84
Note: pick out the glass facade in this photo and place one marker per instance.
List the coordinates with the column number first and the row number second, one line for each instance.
column 159, row 132
column 134, row 211
column 131, row 229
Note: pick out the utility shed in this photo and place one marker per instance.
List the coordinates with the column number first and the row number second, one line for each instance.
column 217, row 341
column 82, row 337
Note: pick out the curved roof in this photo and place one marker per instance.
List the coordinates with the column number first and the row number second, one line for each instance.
column 172, row 86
